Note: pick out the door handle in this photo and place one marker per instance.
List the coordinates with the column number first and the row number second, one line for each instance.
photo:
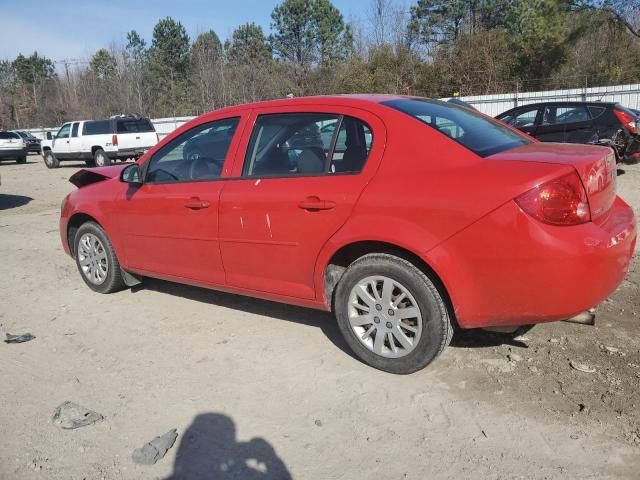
column 314, row 203
column 197, row 204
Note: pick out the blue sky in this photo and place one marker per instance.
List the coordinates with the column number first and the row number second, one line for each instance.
column 62, row 29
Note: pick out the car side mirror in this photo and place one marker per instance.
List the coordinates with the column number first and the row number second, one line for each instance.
column 132, row 174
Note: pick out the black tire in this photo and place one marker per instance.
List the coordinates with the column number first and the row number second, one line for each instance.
column 50, row 160
column 437, row 328
column 100, row 158
column 21, row 160
column 113, row 280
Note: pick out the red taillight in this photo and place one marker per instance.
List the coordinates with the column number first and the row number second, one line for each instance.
column 562, row 201
column 114, row 140
column 627, row 120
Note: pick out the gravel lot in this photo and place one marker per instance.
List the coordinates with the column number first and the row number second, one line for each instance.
column 261, row 390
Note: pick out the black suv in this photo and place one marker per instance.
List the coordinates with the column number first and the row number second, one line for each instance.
column 33, row 143
column 598, row 123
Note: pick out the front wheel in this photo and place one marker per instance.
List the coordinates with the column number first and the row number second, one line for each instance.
column 50, row 160
column 391, row 314
column 96, row 260
column 101, row 159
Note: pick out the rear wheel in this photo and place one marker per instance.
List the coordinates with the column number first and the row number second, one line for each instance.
column 96, row 260
column 391, row 314
column 50, row 160
column 101, row 159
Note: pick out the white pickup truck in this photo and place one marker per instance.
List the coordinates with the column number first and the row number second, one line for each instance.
column 99, row 142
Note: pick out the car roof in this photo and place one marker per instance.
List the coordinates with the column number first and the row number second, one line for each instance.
column 562, row 102
column 346, row 100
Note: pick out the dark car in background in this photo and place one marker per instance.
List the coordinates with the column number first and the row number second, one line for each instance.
column 33, row 143
column 598, row 123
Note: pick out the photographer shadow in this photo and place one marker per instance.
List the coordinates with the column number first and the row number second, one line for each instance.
column 209, row 451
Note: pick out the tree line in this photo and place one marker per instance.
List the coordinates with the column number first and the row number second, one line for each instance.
column 434, row 48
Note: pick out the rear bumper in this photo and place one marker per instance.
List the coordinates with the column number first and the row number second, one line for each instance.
column 14, row 153
column 509, row 269
column 128, row 153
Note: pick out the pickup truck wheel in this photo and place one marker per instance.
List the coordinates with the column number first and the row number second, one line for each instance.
column 101, row 159
column 391, row 314
column 21, row 160
column 50, row 160
column 96, row 259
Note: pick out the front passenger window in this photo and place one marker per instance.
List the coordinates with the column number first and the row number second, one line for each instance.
column 196, row 155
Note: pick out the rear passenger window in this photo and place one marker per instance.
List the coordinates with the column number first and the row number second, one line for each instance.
column 133, row 125
column 99, row 127
column 596, row 111
column 561, row 115
column 306, row 144
column 352, row 146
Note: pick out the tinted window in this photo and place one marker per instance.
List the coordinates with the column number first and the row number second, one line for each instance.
column 22, row 134
column 471, row 129
column 129, row 125
column 74, row 130
column 196, row 155
column 521, row 119
column 8, row 135
column 99, row 127
column 596, row 111
column 555, row 115
column 64, row 131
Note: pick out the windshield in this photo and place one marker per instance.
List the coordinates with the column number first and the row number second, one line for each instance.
column 478, row 133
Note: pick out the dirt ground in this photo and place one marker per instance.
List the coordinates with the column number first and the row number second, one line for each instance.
column 261, row 390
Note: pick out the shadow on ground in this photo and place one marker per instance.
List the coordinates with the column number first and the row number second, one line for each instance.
column 478, row 338
column 325, row 321
column 209, row 451
column 13, row 201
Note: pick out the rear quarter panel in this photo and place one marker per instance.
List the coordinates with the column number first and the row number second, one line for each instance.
column 427, row 189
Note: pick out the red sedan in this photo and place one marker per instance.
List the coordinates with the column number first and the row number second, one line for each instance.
column 404, row 216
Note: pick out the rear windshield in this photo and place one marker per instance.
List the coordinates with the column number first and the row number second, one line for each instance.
column 99, row 127
column 133, row 125
column 478, row 133
column 8, row 135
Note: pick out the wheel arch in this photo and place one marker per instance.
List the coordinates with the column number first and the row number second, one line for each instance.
column 75, row 222
column 346, row 254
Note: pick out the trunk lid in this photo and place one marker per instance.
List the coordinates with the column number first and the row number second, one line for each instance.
column 595, row 165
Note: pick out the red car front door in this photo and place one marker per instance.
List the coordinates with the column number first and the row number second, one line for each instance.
column 169, row 224
column 292, row 194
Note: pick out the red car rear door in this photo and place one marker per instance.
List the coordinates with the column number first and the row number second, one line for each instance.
column 299, row 174
column 169, row 224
